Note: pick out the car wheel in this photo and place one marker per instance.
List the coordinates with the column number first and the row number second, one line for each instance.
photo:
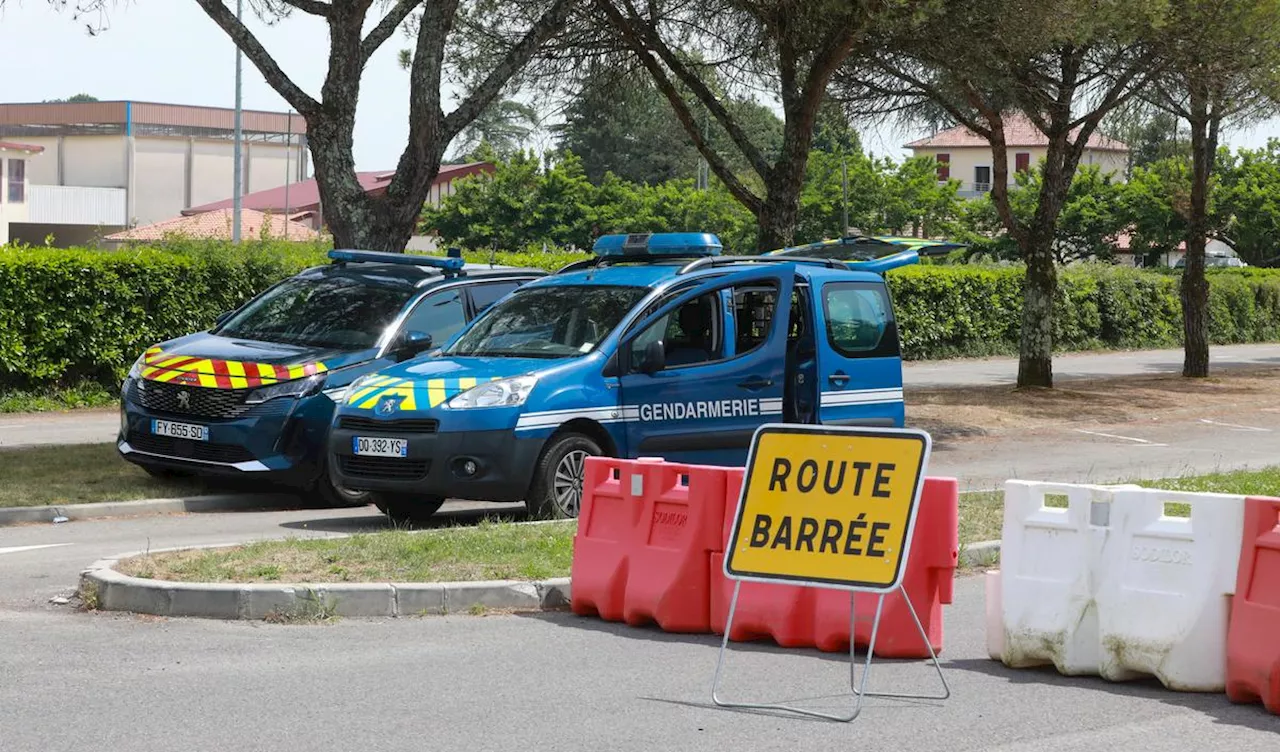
column 404, row 509
column 337, row 496
column 556, row 492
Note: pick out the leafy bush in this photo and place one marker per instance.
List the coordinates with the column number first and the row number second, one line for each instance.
column 961, row 311
column 78, row 315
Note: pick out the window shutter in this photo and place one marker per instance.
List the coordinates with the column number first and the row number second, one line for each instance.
column 944, row 167
column 1022, row 161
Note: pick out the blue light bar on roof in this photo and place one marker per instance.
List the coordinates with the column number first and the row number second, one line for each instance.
column 659, row 244
column 452, row 264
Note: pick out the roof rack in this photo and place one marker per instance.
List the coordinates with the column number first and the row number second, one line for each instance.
column 714, row 261
column 644, row 258
column 449, row 265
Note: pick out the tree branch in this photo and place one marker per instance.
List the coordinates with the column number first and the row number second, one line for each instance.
column 258, row 55
column 717, row 164
column 314, row 7
column 516, row 58
column 647, row 38
column 386, row 27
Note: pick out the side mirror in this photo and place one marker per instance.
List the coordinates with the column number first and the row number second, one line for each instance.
column 412, row 343
column 654, row 358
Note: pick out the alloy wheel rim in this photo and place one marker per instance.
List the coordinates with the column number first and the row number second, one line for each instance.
column 567, row 484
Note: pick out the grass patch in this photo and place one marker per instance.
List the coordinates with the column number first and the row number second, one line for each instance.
column 52, row 399
column 1263, row 482
column 80, row 474
column 981, row 516
column 488, row 551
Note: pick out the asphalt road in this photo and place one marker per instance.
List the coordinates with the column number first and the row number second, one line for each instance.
column 73, row 681
column 90, row 427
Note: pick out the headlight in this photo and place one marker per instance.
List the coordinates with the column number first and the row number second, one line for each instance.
column 135, row 371
column 296, row 388
column 339, row 394
column 500, row 393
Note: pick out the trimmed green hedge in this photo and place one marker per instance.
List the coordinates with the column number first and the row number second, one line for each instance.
column 73, row 315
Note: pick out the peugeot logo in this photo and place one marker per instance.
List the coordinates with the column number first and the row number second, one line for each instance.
column 184, row 400
column 387, row 405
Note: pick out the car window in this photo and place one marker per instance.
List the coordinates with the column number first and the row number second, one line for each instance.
column 483, row 296
column 691, row 334
column 549, row 322
column 754, row 309
column 338, row 312
column 859, row 320
column 441, row 315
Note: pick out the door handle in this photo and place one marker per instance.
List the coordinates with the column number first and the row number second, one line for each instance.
column 755, row 382
column 839, row 379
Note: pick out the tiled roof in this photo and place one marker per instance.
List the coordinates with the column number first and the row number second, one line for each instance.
column 1018, row 131
column 306, row 194
column 15, row 146
column 216, row 225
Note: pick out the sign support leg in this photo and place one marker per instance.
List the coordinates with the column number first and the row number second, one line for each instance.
column 859, row 688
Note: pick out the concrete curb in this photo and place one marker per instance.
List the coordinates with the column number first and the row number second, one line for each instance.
column 983, row 554
column 106, row 509
column 112, row 591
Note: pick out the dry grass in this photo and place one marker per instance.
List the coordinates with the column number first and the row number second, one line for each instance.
column 488, row 551
column 1003, row 409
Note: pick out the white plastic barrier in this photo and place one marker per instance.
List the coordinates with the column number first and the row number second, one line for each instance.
column 1048, row 557
column 1108, row 581
column 1165, row 599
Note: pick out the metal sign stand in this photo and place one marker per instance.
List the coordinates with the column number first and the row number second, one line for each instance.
column 859, row 688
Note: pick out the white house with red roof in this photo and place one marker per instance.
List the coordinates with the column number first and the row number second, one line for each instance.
column 965, row 156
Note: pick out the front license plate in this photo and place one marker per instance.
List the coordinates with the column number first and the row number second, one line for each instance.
column 377, row 446
column 180, row 430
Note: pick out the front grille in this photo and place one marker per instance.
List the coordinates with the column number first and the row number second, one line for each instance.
column 389, row 468
column 408, row 425
column 189, row 450
column 161, row 397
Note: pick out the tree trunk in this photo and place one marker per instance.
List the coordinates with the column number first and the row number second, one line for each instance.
column 1035, row 347
column 777, row 220
column 1195, row 287
column 354, row 218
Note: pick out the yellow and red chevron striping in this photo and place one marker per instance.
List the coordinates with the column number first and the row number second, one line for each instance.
column 221, row 374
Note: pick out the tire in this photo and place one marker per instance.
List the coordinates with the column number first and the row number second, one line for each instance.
column 404, row 509
column 556, row 491
column 333, row 496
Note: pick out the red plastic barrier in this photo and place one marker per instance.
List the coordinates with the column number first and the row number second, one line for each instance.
column 810, row 617
column 646, row 531
column 1253, row 651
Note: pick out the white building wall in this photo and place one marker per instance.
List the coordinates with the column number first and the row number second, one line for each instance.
column 212, row 172
column 99, row 161
column 160, row 181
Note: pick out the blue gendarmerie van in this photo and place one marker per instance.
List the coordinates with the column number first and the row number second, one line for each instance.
column 659, row 346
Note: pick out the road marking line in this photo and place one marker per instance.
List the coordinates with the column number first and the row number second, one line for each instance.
column 20, row 549
column 14, row 425
column 1235, row 425
column 1113, row 436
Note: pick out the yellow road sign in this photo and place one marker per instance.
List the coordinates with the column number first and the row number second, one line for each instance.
column 828, row 506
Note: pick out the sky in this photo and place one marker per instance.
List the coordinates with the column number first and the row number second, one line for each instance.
column 169, row 51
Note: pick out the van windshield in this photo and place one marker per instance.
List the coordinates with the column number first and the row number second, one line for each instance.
column 548, row 322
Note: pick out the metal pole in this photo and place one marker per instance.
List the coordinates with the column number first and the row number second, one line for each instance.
column 288, row 152
column 237, row 176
